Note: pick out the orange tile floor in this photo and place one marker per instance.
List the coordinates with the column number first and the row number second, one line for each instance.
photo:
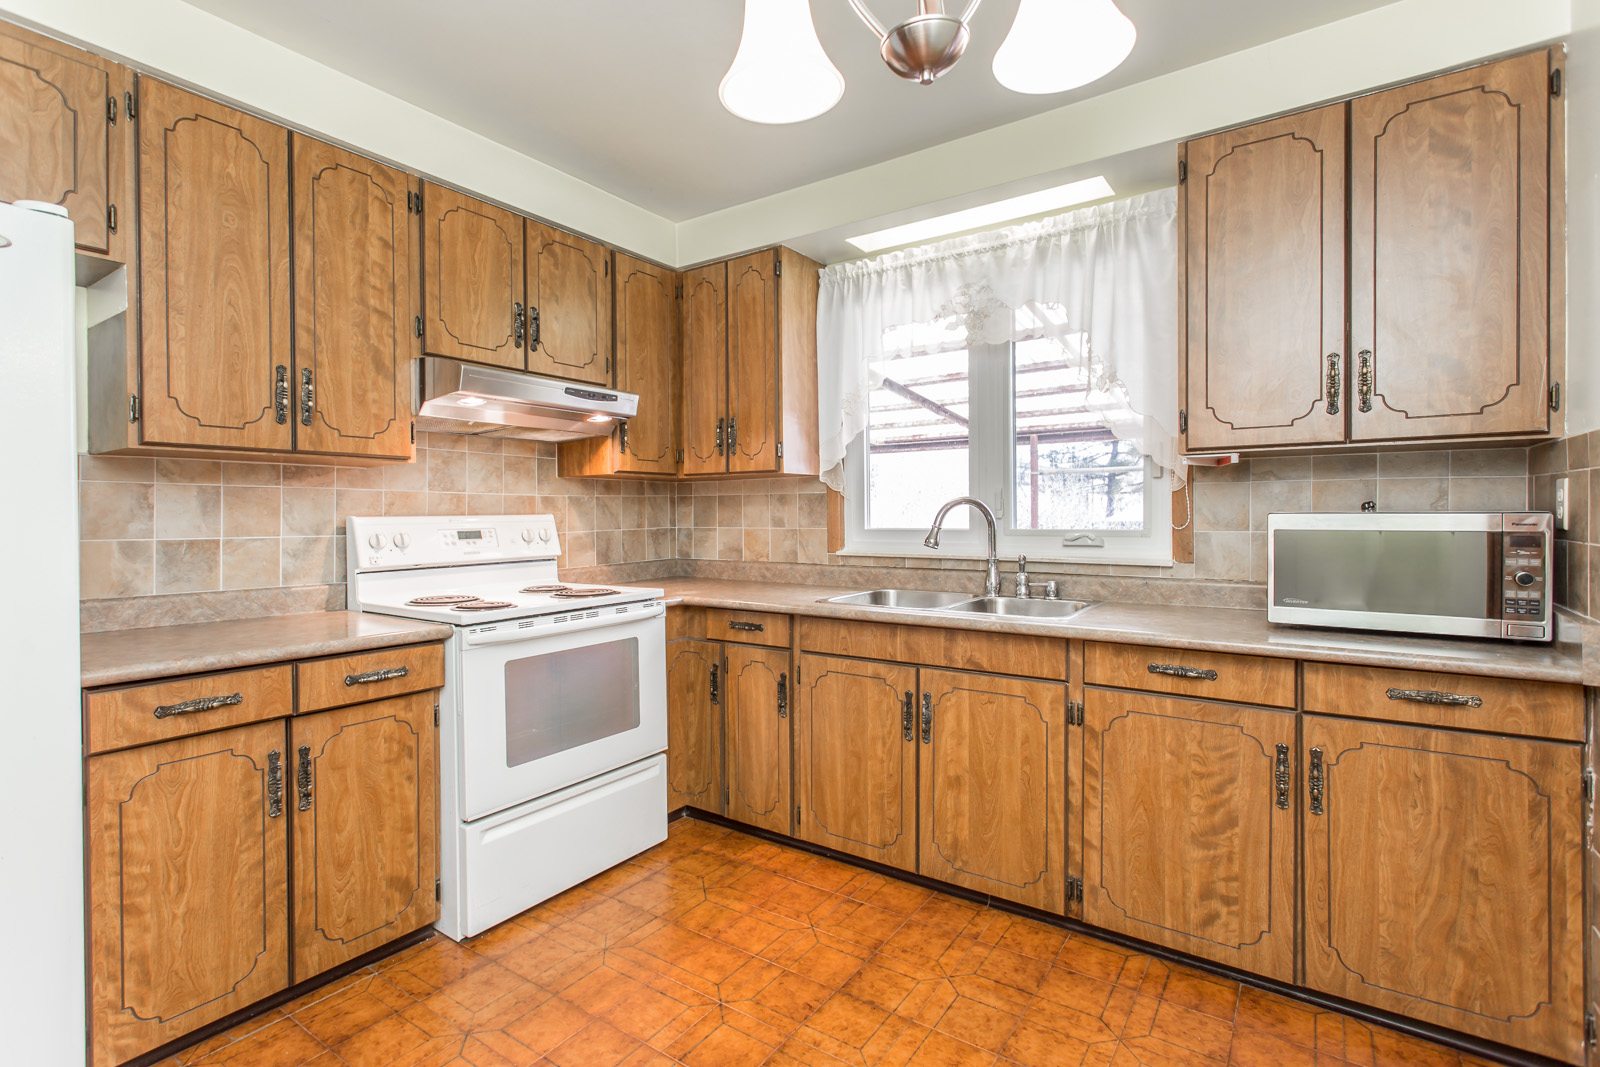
column 716, row 949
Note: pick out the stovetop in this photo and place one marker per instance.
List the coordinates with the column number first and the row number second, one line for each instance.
column 494, row 585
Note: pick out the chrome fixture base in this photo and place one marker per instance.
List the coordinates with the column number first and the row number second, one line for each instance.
column 922, row 48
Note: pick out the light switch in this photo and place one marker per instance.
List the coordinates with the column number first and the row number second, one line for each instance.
column 1561, row 502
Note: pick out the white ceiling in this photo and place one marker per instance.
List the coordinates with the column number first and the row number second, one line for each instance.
column 623, row 93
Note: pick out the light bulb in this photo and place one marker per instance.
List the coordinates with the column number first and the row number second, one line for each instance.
column 780, row 73
column 1056, row 45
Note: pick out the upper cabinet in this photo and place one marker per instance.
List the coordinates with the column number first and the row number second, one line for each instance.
column 703, row 312
column 472, row 280
column 352, row 302
column 216, row 345
column 568, row 306
column 62, row 134
column 1449, row 257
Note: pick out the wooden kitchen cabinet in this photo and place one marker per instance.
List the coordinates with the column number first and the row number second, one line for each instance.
column 187, row 885
column 647, row 364
column 1188, row 827
column 216, row 345
column 694, row 722
column 366, row 839
column 1443, row 876
column 63, row 130
column 703, row 312
column 1450, row 254
column 993, row 785
column 856, row 757
column 354, row 339
column 756, row 712
column 568, row 305
column 472, row 280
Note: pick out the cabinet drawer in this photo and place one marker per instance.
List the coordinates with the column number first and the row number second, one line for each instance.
column 748, row 627
column 138, row 715
column 1212, row 675
column 1464, row 701
column 332, row 683
column 934, row 646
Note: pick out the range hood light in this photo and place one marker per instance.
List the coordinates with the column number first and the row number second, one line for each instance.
column 597, row 417
column 470, row 401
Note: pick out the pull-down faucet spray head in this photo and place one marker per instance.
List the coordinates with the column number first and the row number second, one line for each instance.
column 932, row 540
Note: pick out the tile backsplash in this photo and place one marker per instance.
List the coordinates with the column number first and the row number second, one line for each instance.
column 1576, row 581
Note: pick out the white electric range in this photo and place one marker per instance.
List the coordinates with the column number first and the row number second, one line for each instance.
column 553, row 721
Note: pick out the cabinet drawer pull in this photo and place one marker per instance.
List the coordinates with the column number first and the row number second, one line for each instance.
column 381, row 675
column 927, row 718
column 1364, row 379
column 1333, row 383
column 280, row 394
column 274, row 784
column 1314, row 781
column 198, row 704
column 303, row 778
column 1280, row 776
column 783, row 696
column 1204, row 674
column 754, row 626
column 908, row 716
column 1433, row 696
column 308, row 396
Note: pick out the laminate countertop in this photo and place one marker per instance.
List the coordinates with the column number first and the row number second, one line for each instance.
column 1208, row 629
column 113, row 657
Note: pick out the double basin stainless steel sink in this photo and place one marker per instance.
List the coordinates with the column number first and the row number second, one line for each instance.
column 921, row 600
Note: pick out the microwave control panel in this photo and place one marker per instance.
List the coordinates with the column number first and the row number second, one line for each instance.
column 1525, row 575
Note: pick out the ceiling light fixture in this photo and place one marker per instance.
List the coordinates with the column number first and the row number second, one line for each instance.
column 973, row 218
column 780, row 73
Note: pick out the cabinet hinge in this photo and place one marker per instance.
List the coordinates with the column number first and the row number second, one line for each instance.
column 111, row 110
column 133, row 407
column 1588, row 786
column 1183, row 171
column 419, row 325
column 1555, row 82
column 438, row 889
column 680, row 291
column 1183, row 421
column 1555, row 396
column 111, row 217
column 725, row 799
column 436, row 713
column 413, row 433
column 129, row 105
column 797, row 815
column 780, row 449
column 1074, row 890
column 777, row 264
column 680, row 455
column 1588, row 1029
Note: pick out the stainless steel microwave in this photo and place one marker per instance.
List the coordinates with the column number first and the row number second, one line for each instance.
column 1468, row 574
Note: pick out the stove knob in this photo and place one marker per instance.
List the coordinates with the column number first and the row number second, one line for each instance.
column 544, row 534
column 1523, row 578
column 376, row 540
column 401, row 541
column 527, row 533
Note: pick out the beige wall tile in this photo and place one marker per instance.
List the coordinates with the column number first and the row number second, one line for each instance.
column 1222, row 506
column 252, row 474
column 1280, row 468
column 447, row 471
column 309, row 512
column 188, row 566
column 608, row 513
column 407, row 477
column 249, row 562
column 812, row 512
column 308, row 476
column 608, row 546
column 580, row 514
column 785, row 546
column 1413, row 494
column 757, row 513
column 484, row 445
column 189, row 471
column 813, row 546
column 486, row 504
column 1488, row 462
column 188, row 511
column 579, row 550
column 1224, row 556
column 757, row 543
column 405, row 503
column 251, row 511
column 115, row 569
column 730, row 511
column 312, row 560
column 111, row 511
column 1339, row 495
column 115, row 469
column 359, row 477
column 348, row 502
column 1488, row 494
column 1361, row 465
column 1269, row 497
column 730, row 542
column 520, row 474
column 783, row 510
column 484, row 474
column 704, row 544
column 1578, row 496
column 1231, row 472
column 1414, row 465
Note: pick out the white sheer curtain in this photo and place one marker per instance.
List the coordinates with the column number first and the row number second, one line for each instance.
column 1102, row 281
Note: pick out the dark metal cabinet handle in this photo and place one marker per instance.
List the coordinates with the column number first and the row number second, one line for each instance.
column 303, row 778
column 733, row 435
column 1433, row 696
column 198, row 704
column 927, row 718
column 1333, row 383
column 533, row 328
column 1280, row 776
column 722, row 425
column 1364, row 379
column 908, row 716
column 274, row 784
column 280, row 394
column 716, row 671
column 519, row 323
column 756, row 627
column 1314, row 779
column 308, row 396
column 783, row 696
column 382, row 675
column 1203, row 674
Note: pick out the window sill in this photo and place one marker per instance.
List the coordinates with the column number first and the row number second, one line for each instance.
column 1101, row 558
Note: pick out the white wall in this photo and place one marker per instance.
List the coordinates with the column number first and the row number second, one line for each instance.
column 1583, row 218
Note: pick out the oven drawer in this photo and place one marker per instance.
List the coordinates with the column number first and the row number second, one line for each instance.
column 1209, row 675
column 747, row 627
column 138, row 715
column 388, row 672
column 1465, row 701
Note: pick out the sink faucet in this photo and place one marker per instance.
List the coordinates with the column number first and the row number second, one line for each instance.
column 991, row 578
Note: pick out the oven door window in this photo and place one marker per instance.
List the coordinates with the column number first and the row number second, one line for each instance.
column 565, row 700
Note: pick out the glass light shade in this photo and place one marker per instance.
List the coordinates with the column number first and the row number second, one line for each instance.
column 1056, row 45
column 780, row 73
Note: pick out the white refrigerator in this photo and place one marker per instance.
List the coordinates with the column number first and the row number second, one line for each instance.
column 41, row 786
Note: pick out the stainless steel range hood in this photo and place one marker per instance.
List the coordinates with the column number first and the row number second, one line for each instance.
column 456, row 397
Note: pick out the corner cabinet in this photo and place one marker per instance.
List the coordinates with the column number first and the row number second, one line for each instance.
column 1454, row 262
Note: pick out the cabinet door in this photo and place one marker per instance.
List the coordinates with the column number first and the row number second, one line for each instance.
column 471, row 279
column 857, row 759
column 647, row 347
column 753, row 363
column 352, row 302
column 569, row 305
column 55, row 129
column 1264, row 213
column 214, row 273
column 188, row 899
column 756, row 705
column 1188, row 828
column 705, row 369
column 1449, row 254
column 993, row 786
column 1443, row 878
column 694, row 725
column 366, row 828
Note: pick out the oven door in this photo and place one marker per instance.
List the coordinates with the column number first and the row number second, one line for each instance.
column 549, row 711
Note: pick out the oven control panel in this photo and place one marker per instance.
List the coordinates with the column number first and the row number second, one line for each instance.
column 393, row 542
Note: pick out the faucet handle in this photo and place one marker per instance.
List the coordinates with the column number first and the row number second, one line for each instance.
column 1022, row 563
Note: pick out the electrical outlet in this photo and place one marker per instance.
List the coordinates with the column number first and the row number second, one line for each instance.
column 1561, row 502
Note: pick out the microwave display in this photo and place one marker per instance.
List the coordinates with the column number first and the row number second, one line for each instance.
column 1439, row 572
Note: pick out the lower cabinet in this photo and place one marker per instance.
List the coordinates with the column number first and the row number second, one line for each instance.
column 694, row 725
column 1444, row 878
column 1188, row 826
column 756, row 716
